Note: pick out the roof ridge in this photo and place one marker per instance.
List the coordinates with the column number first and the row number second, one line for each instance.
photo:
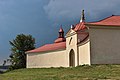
column 102, row 19
column 113, row 20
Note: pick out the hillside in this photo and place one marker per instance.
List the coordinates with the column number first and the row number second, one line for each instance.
column 77, row 73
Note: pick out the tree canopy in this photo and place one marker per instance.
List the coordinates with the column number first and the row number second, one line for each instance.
column 19, row 46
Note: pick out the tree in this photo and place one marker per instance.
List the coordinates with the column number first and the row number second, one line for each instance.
column 20, row 45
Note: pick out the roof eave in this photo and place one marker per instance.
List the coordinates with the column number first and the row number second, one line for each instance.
column 46, row 51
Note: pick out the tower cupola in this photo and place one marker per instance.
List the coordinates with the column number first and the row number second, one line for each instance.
column 60, row 36
column 61, row 33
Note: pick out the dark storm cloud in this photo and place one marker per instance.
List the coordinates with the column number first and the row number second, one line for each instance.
column 21, row 16
column 70, row 9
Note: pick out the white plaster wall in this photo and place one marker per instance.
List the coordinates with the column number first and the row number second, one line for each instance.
column 72, row 45
column 84, row 53
column 51, row 59
column 105, row 45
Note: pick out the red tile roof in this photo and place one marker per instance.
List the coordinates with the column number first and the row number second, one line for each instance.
column 60, row 43
column 80, row 26
column 109, row 21
column 59, row 40
column 82, row 36
column 49, row 47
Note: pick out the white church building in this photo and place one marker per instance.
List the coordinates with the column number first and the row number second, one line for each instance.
column 85, row 43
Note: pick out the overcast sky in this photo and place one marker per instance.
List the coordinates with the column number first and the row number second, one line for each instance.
column 42, row 18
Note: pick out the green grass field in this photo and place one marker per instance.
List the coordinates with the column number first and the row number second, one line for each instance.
column 94, row 72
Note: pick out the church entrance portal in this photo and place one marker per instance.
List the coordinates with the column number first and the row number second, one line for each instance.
column 72, row 58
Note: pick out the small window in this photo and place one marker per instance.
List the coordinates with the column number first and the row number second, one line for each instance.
column 70, row 40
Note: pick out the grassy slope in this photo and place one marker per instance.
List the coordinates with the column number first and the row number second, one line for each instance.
column 77, row 73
